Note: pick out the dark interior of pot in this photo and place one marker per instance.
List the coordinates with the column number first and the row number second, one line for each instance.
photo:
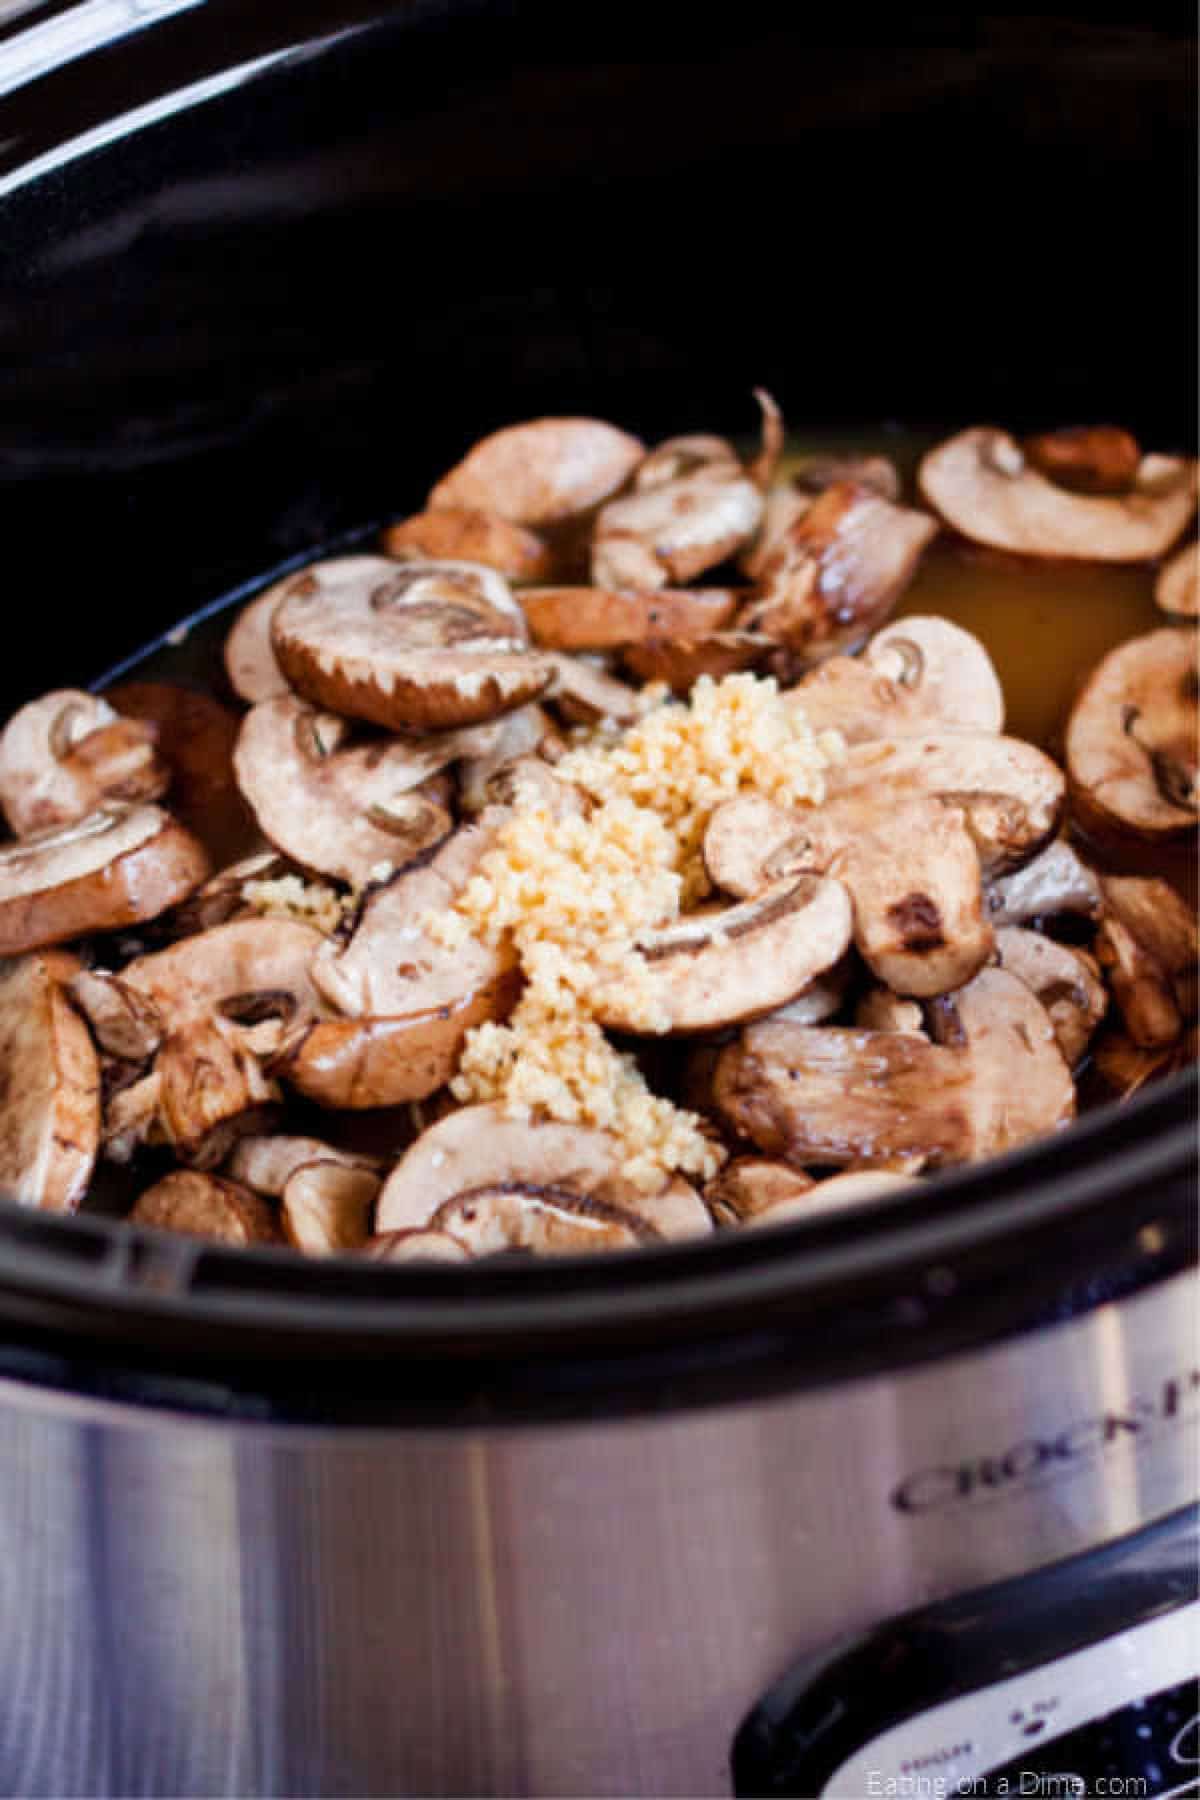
column 270, row 269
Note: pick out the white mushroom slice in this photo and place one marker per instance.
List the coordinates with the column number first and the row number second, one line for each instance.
column 586, row 695
column 1164, row 924
column 1131, row 738
column 123, row 1022
column 881, row 1010
column 68, row 753
column 546, row 1221
column 838, row 571
column 813, row 474
column 414, row 646
column 1088, row 459
column 471, row 534
column 520, row 734
column 1064, row 980
column 783, row 507
column 824, row 1095
column 49, row 1090
column 1055, row 882
column 119, row 866
column 749, row 1185
column 669, row 534
column 820, row 999
column 246, row 970
column 212, row 1091
column 911, row 869
column 685, row 455
column 984, row 486
column 1011, row 793
column 1177, row 589
column 250, row 661
column 479, row 1147
column 207, row 1206
column 327, row 1205
column 340, row 811
column 267, row 1163
column 675, row 1211
column 735, row 963
column 1021, row 1087
column 131, row 1118
column 531, row 785
column 596, row 618
column 915, row 676
column 836, row 1194
column 416, row 1247
column 542, row 472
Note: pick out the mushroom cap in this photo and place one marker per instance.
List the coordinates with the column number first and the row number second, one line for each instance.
column 1131, row 738
column 1064, row 980
column 1177, row 589
column 412, row 646
column 1147, row 945
column 543, row 471
column 669, row 534
column 737, row 962
column 206, row 1206
column 120, row 866
column 471, row 534
column 231, row 969
column 341, row 811
column 1089, row 459
column 1020, row 1086
column 982, row 484
column 1054, row 882
column 327, row 1205
column 595, row 618
column 195, row 736
column 65, row 754
column 49, row 1090
column 585, row 694
column 250, row 661
column 680, row 662
column 916, row 675
column 1163, row 923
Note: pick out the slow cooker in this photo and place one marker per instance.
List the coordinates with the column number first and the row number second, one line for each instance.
column 902, row 1496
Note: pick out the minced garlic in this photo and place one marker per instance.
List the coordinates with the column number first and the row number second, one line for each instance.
column 304, row 902
column 573, row 895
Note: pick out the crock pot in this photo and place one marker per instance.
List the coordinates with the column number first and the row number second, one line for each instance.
column 731, row 1514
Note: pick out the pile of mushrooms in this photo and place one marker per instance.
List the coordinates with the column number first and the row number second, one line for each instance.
column 915, row 974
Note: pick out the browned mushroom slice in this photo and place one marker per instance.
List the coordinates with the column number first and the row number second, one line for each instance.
column 824, row 1095
column 212, row 1091
column 119, row 866
column 820, row 999
column 68, row 753
column 542, row 472
column 250, row 662
column 1125, row 1067
column 547, row 1221
column 369, row 1062
column 267, row 1163
column 686, row 454
column 586, row 695
column 1011, row 793
column 223, row 897
column 593, row 618
column 417, row 646
column 123, row 1022
column 669, row 534
column 1177, row 589
column 1021, row 1087
column 248, row 969
column 49, row 1090
column 1163, row 924
column 195, row 738
column 761, row 468
column 416, row 1247
column 783, row 507
column 479, row 1147
column 675, row 1211
column 207, row 1206
column 1131, row 737
column 1088, row 459
column 881, row 1010
column 131, row 1116
column 327, row 1206
column 749, row 1185
column 1064, row 980
column 682, row 661
column 813, row 474
column 838, row 571
column 471, row 534
column 736, row 962
column 983, row 485
column 1055, row 882
column 835, row 1194
column 917, row 675
column 341, row 811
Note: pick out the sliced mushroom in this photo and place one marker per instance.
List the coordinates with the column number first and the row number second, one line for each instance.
column 838, row 571
column 982, row 484
column 675, row 1211
column 49, row 1090
column 1131, row 738
column 881, row 1010
column 1125, row 1067
column 1177, row 589
column 1021, row 1087
column 471, row 534
column 686, row 454
column 586, row 695
column 68, row 753
column 532, row 785
column 681, row 662
column 327, row 1206
column 223, row 896
column 244, row 971
column 207, row 1206
column 1163, row 924
column 131, row 1115
column 783, row 507
column 195, row 736
column 250, row 661
column 416, row 646
column 521, row 734
column 479, row 1149
column 821, row 999
column 341, row 811
column 1055, row 882
column 119, row 866
column 416, row 1247
column 1088, row 459
column 835, row 1194
column 212, row 1091
column 749, row 1185
column 547, row 1221
column 542, row 472
column 813, row 474
column 917, row 675
column 266, row 1164
column 1065, row 981
column 669, row 534
column 734, row 963
column 593, row 618
column 123, row 1022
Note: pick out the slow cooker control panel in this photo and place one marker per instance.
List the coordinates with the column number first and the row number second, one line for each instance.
column 1080, row 1680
